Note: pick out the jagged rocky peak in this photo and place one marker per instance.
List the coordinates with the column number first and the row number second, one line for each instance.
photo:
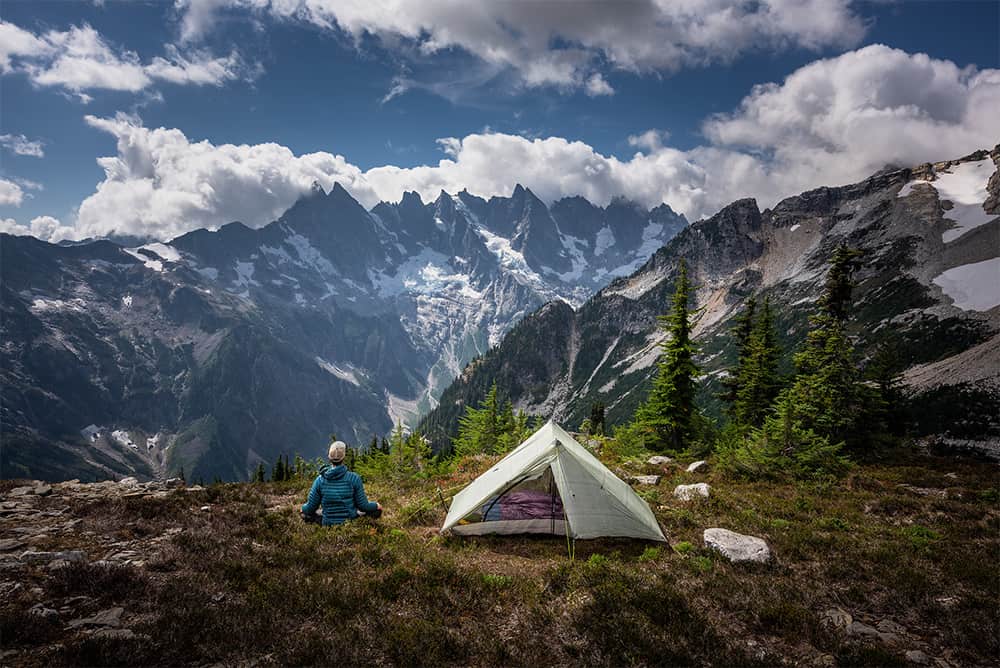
column 927, row 287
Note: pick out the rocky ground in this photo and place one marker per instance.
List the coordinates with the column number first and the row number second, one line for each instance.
column 895, row 565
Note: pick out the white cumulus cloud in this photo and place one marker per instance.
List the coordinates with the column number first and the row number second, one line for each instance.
column 564, row 44
column 11, row 194
column 162, row 184
column 80, row 59
column 45, row 228
column 21, row 145
column 831, row 122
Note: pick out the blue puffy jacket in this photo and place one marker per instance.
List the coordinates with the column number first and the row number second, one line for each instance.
column 341, row 493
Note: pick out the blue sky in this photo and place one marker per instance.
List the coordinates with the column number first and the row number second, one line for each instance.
column 380, row 88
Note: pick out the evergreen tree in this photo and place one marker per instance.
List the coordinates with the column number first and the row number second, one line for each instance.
column 742, row 330
column 597, row 419
column 277, row 471
column 183, row 479
column 669, row 419
column 783, row 446
column 258, row 475
column 826, row 390
column 757, row 383
column 479, row 428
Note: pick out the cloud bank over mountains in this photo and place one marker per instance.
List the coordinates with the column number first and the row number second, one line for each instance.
column 833, row 121
column 546, row 45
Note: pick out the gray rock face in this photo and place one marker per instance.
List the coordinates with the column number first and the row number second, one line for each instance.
column 695, row 491
column 737, row 547
column 918, row 657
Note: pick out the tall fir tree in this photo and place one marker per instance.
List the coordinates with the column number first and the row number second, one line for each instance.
column 259, row 474
column 669, row 419
column 758, row 381
column 597, row 418
column 742, row 330
column 479, row 427
column 826, row 391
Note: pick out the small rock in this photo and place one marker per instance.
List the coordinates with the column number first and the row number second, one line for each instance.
column 917, row 657
column 737, row 547
column 194, row 488
column 108, row 618
column 950, row 476
column 48, row 557
column 862, row 630
column 825, row 661
column 43, row 490
column 694, row 467
column 8, row 544
column 646, row 479
column 39, row 610
column 658, row 460
column 173, row 483
column 688, row 492
column 205, row 509
column 836, row 619
column 21, row 491
column 947, row 601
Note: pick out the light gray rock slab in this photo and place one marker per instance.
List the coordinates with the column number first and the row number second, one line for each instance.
column 646, row 479
column 659, row 460
column 699, row 465
column 111, row 617
column 689, row 492
column 737, row 547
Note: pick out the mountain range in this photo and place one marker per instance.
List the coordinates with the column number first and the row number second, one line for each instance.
column 928, row 292
column 219, row 349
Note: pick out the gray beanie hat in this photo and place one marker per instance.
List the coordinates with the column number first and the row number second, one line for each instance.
column 337, row 451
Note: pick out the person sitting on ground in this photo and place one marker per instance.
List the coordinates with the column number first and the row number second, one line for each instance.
column 340, row 492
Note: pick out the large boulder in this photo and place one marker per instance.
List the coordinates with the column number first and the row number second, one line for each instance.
column 658, row 460
column 737, row 547
column 688, row 492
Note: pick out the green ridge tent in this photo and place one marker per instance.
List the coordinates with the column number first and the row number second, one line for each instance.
column 550, row 484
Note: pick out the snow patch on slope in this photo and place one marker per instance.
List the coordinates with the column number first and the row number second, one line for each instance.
column 965, row 187
column 973, row 287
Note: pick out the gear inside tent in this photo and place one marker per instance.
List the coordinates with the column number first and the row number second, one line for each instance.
column 550, row 484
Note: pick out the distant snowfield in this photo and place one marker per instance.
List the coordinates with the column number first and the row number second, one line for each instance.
column 973, row 287
column 965, row 187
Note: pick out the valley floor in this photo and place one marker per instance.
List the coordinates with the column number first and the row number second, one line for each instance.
column 895, row 564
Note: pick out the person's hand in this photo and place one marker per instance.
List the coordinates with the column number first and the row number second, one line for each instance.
column 378, row 505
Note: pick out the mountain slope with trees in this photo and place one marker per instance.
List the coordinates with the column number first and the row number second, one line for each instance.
column 924, row 310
